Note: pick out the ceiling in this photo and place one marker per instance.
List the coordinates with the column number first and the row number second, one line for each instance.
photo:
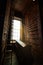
column 21, row 5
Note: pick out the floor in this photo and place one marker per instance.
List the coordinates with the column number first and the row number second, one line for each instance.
column 10, row 56
column 10, row 59
column 15, row 56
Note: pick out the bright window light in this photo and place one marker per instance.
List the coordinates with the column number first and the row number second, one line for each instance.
column 15, row 31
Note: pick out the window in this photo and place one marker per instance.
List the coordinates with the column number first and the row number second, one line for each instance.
column 15, row 29
column 16, row 32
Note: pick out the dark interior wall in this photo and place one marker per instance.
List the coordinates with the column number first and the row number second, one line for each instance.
column 41, row 14
column 32, row 30
column 4, row 25
column 2, row 15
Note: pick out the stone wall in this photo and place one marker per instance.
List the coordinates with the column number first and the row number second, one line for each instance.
column 5, row 27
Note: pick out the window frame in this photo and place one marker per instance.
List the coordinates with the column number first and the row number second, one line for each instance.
column 19, row 19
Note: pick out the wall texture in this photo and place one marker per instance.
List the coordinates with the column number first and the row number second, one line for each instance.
column 5, row 27
column 32, row 30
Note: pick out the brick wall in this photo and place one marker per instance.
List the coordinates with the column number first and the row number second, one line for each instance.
column 32, row 30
